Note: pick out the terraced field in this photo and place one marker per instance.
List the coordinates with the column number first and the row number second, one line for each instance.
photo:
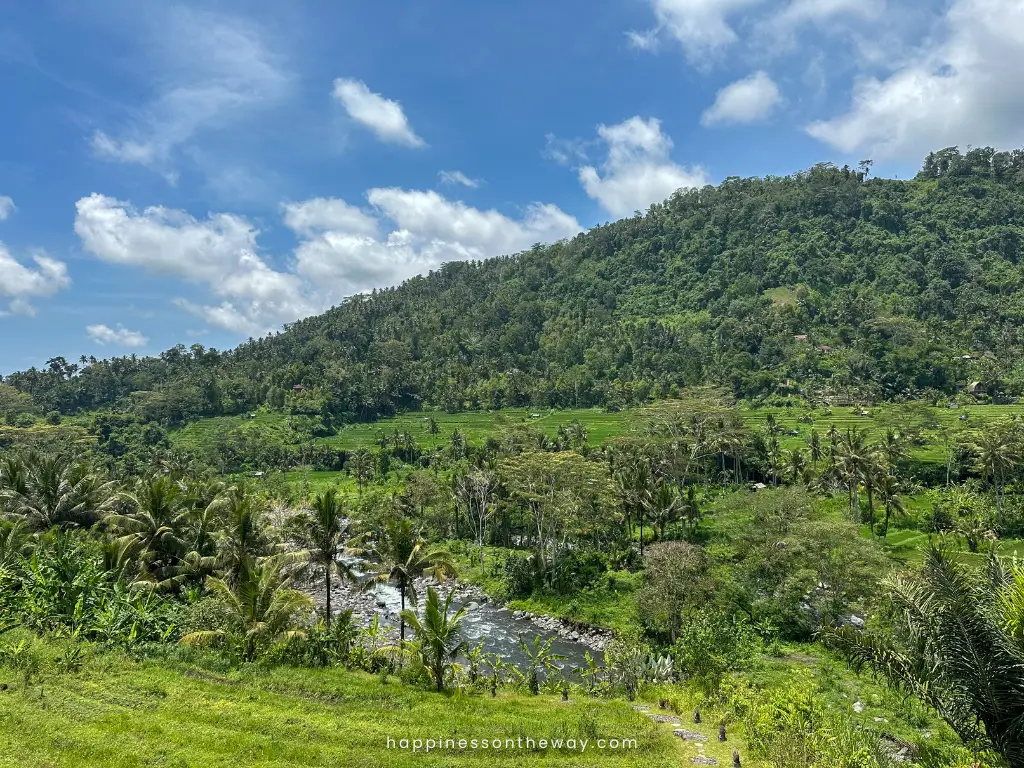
column 932, row 423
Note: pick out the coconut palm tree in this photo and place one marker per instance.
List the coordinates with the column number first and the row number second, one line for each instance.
column 403, row 556
column 957, row 644
column 815, row 449
column 997, row 453
column 261, row 605
column 439, row 639
column 49, row 491
column 245, row 533
column 664, row 507
column 153, row 526
column 323, row 534
column 889, row 489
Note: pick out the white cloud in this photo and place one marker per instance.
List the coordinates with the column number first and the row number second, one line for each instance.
column 746, row 101
column 960, row 88
column 120, row 336
column 458, row 177
column 343, row 249
column 210, row 71
column 19, row 284
column 638, row 170
column 702, row 27
column 382, row 116
column 219, row 253
column 427, row 231
column 322, row 214
column 7, row 206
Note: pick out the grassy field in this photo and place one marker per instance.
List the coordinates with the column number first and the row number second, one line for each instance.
column 479, row 425
column 797, row 423
column 120, row 713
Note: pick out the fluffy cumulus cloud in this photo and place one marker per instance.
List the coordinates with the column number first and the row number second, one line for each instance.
column 19, row 283
column 118, row 337
column 638, row 169
column 218, row 253
column 6, row 207
column 418, row 231
column 343, row 248
column 212, row 70
column 749, row 100
column 384, row 117
column 962, row 87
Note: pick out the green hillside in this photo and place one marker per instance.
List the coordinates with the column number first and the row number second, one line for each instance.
column 873, row 288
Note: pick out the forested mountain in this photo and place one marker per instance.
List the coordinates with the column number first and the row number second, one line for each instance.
column 826, row 278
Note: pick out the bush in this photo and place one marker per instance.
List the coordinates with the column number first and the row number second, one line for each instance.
column 518, row 576
column 711, row 645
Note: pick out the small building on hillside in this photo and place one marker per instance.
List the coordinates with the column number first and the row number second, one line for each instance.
column 975, row 388
column 801, row 337
column 299, row 388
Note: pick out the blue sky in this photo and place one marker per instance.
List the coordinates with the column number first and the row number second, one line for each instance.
column 199, row 172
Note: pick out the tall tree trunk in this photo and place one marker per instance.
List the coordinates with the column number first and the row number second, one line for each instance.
column 328, row 581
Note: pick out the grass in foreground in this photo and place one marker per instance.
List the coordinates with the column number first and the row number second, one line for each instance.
column 120, row 713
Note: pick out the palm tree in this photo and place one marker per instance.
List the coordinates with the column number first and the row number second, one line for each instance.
column 796, row 461
column 633, row 479
column 260, row 603
column 362, row 468
column 889, row 489
column 664, row 506
column 322, row 532
column 958, row 644
column 434, row 429
column 851, row 457
column 404, row 556
column 815, row 449
column 997, row 454
column 244, row 535
column 894, row 448
column 691, row 511
column 438, row 635
column 48, row 491
column 153, row 526
column 774, row 450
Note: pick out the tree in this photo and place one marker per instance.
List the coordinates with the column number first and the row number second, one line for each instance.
column 362, row 468
column 472, row 492
column 154, row 525
column 261, row 606
column 403, row 556
column 664, row 507
column 815, row 449
column 323, row 534
column 676, row 577
column 51, row 490
column 539, row 658
column 997, row 453
column 889, row 489
column 957, row 643
column 245, row 533
column 438, row 635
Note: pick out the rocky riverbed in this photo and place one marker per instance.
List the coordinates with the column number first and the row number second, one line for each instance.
column 496, row 626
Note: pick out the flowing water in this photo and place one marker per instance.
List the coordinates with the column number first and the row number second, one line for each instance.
column 497, row 627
